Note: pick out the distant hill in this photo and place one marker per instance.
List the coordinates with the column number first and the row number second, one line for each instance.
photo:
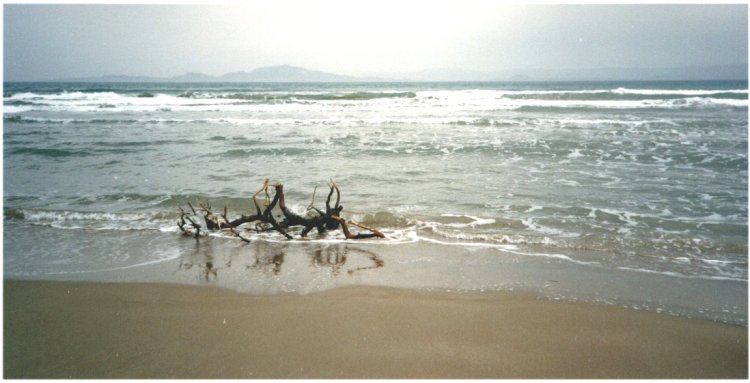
column 288, row 73
column 110, row 78
column 284, row 73
column 280, row 73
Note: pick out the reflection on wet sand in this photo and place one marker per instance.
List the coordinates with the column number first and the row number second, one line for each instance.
column 377, row 262
column 206, row 270
column 335, row 258
column 267, row 258
column 205, row 264
column 262, row 262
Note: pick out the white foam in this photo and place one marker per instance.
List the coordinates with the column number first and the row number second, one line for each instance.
column 679, row 275
column 175, row 255
column 71, row 220
column 46, row 216
column 553, row 256
column 576, row 153
column 567, row 182
column 721, row 262
column 10, row 109
column 495, row 100
column 468, row 244
column 627, row 104
column 533, row 208
column 476, row 221
column 478, row 93
column 714, row 217
column 685, row 92
column 64, row 96
column 531, row 224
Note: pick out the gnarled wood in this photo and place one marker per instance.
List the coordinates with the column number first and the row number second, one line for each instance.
column 327, row 220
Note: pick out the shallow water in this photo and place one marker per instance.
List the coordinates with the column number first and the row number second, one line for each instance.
column 636, row 180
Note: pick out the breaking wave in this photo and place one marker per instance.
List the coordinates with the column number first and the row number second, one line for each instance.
column 621, row 98
column 274, row 97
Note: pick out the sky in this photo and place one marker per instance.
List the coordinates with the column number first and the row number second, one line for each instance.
column 360, row 38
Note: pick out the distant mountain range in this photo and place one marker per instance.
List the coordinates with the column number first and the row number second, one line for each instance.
column 288, row 73
column 280, row 73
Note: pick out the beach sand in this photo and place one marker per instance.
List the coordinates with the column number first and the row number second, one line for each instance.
column 140, row 330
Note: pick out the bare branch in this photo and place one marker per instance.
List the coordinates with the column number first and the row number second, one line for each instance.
column 373, row 230
column 265, row 220
column 255, row 201
column 231, row 228
column 338, row 193
column 312, row 201
column 349, row 235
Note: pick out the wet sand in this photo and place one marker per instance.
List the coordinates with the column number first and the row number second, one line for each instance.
column 141, row 330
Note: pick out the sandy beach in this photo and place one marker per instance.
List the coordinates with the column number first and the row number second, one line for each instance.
column 129, row 330
column 303, row 191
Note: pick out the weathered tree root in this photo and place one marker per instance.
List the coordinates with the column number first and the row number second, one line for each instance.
column 327, row 220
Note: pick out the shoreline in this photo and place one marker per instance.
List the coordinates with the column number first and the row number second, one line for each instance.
column 265, row 267
column 156, row 330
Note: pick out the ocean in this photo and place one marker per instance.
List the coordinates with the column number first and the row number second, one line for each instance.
column 623, row 193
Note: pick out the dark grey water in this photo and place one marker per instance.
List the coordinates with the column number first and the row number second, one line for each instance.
column 635, row 178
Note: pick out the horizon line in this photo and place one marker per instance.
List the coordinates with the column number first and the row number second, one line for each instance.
column 514, row 74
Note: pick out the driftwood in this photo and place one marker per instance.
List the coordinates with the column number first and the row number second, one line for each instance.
column 322, row 221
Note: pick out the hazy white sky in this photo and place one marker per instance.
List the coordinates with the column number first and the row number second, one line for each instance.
column 364, row 37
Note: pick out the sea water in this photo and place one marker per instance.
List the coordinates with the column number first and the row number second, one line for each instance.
column 622, row 192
